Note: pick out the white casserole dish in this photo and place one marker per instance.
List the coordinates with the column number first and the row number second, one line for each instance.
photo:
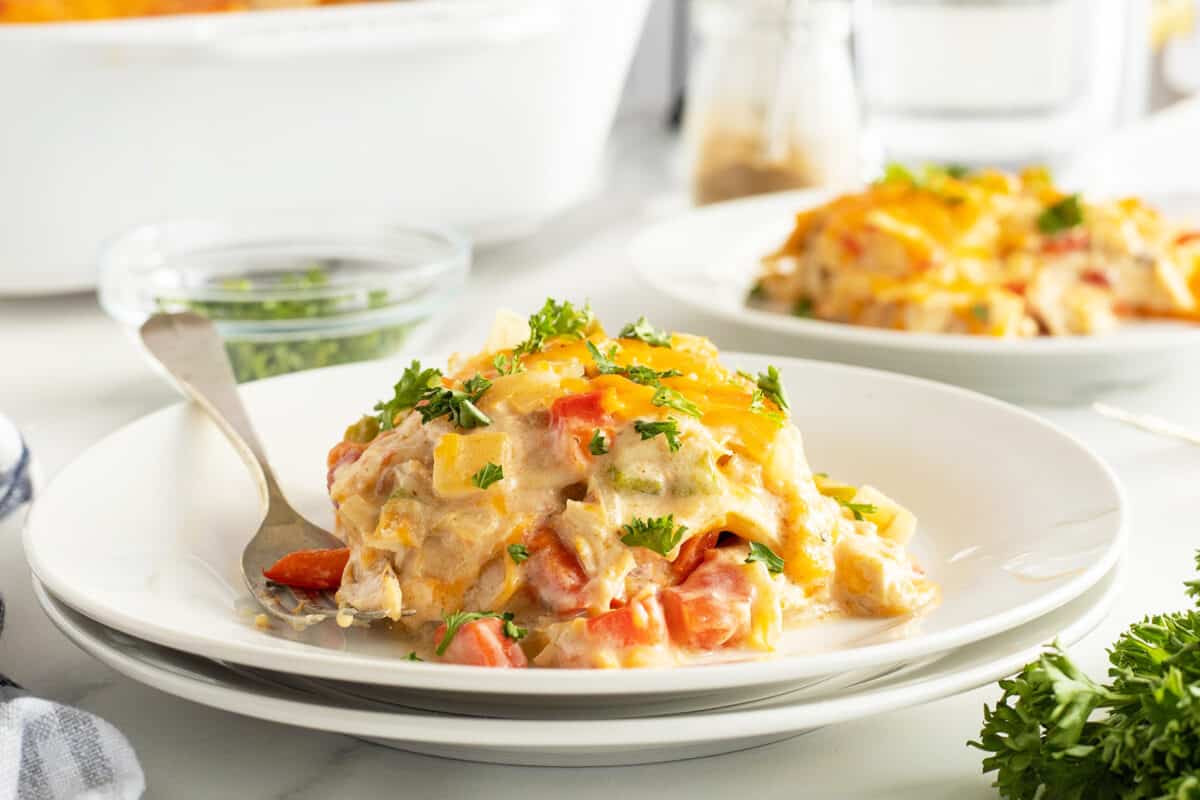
column 488, row 115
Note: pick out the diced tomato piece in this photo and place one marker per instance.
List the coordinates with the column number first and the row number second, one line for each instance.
column 481, row 643
column 711, row 608
column 691, row 553
column 317, row 570
column 1067, row 242
column 554, row 574
column 1096, row 278
column 341, row 454
column 639, row 623
column 1017, row 287
column 579, row 409
column 1187, row 237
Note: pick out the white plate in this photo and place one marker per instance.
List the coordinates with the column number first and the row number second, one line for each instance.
column 143, row 532
column 580, row 741
column 708, row 259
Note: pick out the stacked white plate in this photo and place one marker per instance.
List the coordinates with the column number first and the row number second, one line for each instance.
column 136, row 547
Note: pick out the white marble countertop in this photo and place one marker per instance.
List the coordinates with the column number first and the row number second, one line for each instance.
column 68, row 376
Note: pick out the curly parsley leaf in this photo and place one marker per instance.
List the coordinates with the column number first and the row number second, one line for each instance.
column 667, row 397
column 760, row 552
column 770, row 384
column 858, row 509
column 1055, row 732
column 511, row 629
column 555, row 319
column 657, row 533
column 459, row 405
column 488, row 474
column 644, row 331
column 518, row 553
column 507, row 365
column 637, row 373
column 668, row 428
column 408, row 391
column 598, row 446
column 1061, row 216
column 455, row 621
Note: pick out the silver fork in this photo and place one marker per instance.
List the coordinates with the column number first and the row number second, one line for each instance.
column 189, row 348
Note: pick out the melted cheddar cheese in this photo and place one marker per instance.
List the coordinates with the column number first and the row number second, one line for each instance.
column 984, row 253
column 633, row 489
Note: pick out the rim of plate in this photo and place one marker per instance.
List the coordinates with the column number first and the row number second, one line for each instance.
column 665, row 276
column 292, row 707
column 318, row 662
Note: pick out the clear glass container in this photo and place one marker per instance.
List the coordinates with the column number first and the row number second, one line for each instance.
column 290, row 291
column 991, row 82
column 771, row 102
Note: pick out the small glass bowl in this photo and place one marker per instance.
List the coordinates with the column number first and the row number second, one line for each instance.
column 290, row 291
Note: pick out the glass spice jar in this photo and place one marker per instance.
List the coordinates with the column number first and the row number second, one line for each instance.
column 772, row 103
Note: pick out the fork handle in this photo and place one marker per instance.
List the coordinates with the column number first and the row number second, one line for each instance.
column 189, row 348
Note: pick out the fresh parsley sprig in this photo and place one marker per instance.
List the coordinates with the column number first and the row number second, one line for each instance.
column 488, row 474
column 760, row 552
column 518, row 553
column 634, row 372
column 1061, row 216
column 666, row 397
column 598, row 446
column 554, row 319
column 644, row 331
column 770, row 384
column 659, row 534
column 858, row 509
column 408, row 391
column 1055, row 732
column 458, row 405
column 455, row 621
column 668, row 428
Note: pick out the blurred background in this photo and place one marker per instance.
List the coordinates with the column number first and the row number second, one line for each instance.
column 494, row 117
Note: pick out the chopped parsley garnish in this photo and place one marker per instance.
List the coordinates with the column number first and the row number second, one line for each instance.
column 488, row 474
column 657, row 533
column 760, row 552
column 459, row 618
column 555, row 319
column 506, row 365
column 668, row 427
column 634, row 372
column 412, row 656
column 803, row 308
column 758, row 292
column 598, row 446
column 458, row 405
column 604, row 363
column 820, row 474
column 666, row 397
column 980, row 312
column 897, row 173
column 518, row 553
column 858, row 509
column 770, row 385
column 956, row 171
column 644, row 331
column 408, row 391
column 1063, row 215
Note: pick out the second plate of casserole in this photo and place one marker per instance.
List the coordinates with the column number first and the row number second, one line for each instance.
column 710, row 259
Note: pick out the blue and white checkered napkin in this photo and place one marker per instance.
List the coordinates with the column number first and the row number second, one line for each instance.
column 54, row 752
column 50, row 751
